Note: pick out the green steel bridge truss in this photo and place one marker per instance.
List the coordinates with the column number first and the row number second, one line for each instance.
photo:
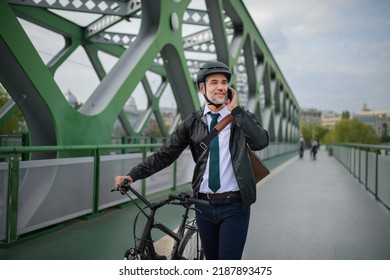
column 223, row 30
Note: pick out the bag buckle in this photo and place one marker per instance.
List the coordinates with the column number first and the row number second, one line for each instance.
column 203, row 145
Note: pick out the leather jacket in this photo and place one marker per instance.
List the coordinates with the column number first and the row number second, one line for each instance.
column 245, row 129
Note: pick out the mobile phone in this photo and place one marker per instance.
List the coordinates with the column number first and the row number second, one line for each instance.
column 229, row 94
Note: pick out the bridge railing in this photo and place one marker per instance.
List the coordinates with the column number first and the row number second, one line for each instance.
column 39, row 194
column 370, row 164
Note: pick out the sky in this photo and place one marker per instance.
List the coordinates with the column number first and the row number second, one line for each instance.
column 334, row 54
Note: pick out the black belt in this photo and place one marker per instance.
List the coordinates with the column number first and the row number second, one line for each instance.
column 218, row 195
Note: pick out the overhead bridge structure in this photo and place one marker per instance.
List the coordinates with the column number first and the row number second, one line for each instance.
column 140, row 56
column 154, row 49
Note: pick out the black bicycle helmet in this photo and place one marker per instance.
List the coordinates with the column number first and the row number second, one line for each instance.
column 210, row 68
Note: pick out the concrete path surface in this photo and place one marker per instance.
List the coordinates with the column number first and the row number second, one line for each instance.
column 316, row 210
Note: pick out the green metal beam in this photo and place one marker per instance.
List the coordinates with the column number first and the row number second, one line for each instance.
column 229, row 35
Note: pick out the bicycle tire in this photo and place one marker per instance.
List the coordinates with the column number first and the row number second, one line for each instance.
column 190, row 248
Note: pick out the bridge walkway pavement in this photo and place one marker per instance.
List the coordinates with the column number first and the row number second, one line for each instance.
column 317, row 210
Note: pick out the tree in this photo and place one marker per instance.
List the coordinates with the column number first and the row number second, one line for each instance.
column 318, row 131
column 14, row 124
column 4, row 97
column 353, row 131
column 345, row 115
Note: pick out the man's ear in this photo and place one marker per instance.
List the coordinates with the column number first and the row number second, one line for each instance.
column 201, row 88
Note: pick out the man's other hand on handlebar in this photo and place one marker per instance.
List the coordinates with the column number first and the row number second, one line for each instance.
column 121, row 183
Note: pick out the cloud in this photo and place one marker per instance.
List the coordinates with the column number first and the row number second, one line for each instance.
column 334, row 54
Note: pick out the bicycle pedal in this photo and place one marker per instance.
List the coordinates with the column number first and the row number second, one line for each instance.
column 130, row 252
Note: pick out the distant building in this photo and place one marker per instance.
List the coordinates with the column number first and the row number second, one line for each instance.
column 329, row 119
column 378, row 120
column 132, row 114
column 131, row 111
column 310, row 117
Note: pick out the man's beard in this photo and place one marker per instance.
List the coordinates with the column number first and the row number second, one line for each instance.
column 215, row 100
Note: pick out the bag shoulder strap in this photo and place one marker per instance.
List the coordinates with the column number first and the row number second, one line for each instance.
column 224, row 122
column 217, row 129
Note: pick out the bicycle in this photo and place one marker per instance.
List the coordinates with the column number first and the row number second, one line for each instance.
column 187, row 244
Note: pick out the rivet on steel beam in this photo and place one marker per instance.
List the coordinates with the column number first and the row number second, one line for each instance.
column 174, row 22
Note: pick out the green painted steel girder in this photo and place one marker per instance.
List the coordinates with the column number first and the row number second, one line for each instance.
column 228, row 35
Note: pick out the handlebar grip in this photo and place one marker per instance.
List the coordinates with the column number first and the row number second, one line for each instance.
column 174, row 196
column 199, row 201
column 187, row 198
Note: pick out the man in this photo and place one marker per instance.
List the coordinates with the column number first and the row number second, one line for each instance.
column 223, row 225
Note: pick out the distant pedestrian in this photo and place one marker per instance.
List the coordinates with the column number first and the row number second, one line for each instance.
column 301, row 147
column 313, row 148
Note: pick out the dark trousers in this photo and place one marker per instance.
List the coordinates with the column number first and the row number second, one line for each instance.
column 223, row 227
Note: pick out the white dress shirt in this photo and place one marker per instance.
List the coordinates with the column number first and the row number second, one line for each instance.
column 226, row 173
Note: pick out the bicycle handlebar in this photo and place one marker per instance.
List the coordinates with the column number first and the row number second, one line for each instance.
column 183, row 197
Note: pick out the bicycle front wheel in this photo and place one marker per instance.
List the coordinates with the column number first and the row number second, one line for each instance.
column 190, row 247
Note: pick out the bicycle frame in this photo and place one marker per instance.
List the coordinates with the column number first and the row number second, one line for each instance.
column 145, row 248
column 150, row 223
